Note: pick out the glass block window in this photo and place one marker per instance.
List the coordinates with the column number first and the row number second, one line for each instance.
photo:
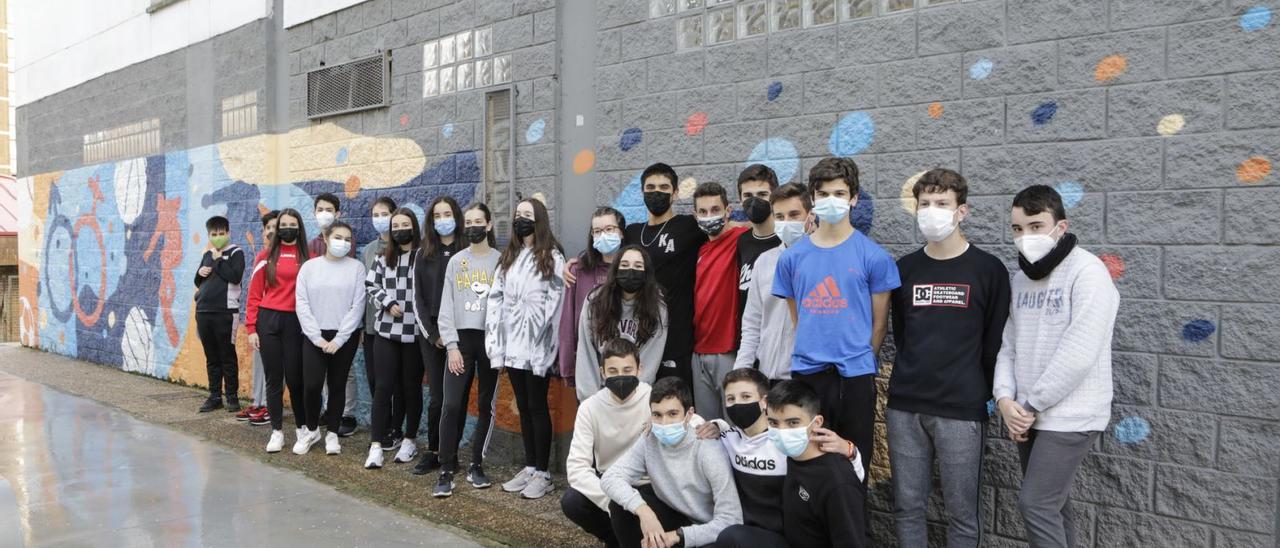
column 661, row 8
column 466, row 76
column 465, row 45
column 430, row 54
column 890, row 6
column 856, row 9
column 447, row 83
column 484, row 73
column 448, row 51
column 785, row 15
column 720, row 26
column 463, row 61
column 484, row 42
column 819, row 12
column 689, row 33
column 753, row 18
column 501, row 69
column 927, row 3
column 689, row 5
column 430, row 83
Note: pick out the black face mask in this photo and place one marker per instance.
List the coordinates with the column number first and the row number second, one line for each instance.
column 657, row 202
column 402, row 236
column 622, row 386
column 743, row 415
column 475, row 234
column 287, row 235
column 630, row 279
column 523, row 226
column 757, row 209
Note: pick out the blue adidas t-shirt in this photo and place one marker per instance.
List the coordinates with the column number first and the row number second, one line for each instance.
column 832, row 288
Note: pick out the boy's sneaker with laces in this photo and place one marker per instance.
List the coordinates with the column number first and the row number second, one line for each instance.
column 392, row 441
column 305, row 441
column 476, row 477
column 259, row 417
column 211, row 404
column 276, row 443
column 429, row 462
column 243, row 414
column 348, row 427
column 518, row 483
column 538, row 487
column 331, row 445
column 233, row 405
column 374, row 461
column 444, row 486
column 408, row 450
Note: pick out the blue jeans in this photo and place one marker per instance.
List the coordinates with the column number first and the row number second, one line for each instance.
column 914, row 439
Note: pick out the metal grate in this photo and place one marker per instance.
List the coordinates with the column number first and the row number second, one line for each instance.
column 358, row 85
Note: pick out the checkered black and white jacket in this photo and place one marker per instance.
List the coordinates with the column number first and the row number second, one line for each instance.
column 388, row 286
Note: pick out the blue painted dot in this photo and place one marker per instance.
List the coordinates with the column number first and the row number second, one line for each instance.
column 852, row 134
column 1198, row 330
column 630, row 138
column 447, row 130
column 1071, row 192
column 991, row 408
column 1255, row 18
column 630, row 202
column 342, row 156
column 775, row 89
column 981, row 69
column 1044, row 113
column 779, row 154
column 535, row 131
column 1131, row 430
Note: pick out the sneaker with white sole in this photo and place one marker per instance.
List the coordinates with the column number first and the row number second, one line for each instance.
column 276, row 443
column 375, row 457
column 476, row 477
column 518, row 483
column 331, row 445
column 444, row 486
column 305, row 441
column 408, row 450
column 538, row 487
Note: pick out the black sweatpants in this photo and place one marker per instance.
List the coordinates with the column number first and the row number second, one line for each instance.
column 319, row 369
column 848, row 408
column 748, row 536
column 398, row 368
column 626, row 526
column 280, row 338
column 535, row 416
column 456, row 393
column 397, row 402
column 585, row 514
column 433, row 363
column 218, row 340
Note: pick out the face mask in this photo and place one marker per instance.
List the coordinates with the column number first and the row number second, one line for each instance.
column 668, row 434
column 445, row 227
column 523, row 226
column 791, row 441
column 287, row 235
column 831, row 209
column 219, row 241
column 789, row 232
column 476, row 234
column 743, row 415
column 1035, row 246
column 324, row 219
column 382, row 224
column 607, row 243
column 657, row 202
column 757, row 209
column 402, row 236
column 339, row 247
column 630, row 279
column 622, row 385
column 713, row 226
column 936, row 223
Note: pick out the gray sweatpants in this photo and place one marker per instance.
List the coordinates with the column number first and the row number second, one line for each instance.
column 259, row 381
column 914, row 440
column 708, row 374
column 1049, row 464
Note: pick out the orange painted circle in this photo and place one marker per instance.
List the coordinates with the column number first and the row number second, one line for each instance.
column 1253, row 170
column 352, row 187
column 583, row 161
column 1110, row 68
column 1115, row 265
column 695, row 124
column 935, row 110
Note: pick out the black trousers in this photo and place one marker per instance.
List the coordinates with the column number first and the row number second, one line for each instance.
column 626, row 526
column 848, row 408
column 218, row 340
column 397, row 402
column 280, row 338
column 456, row 392
column 433, row 363
column 585, row 514
column 747, row 536
column 535, row 416
column 319, row 369
column 398, row 368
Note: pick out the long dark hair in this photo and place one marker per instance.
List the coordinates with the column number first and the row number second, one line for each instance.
column 431, row 238
column 544, row 242
column 590, row 257
column 391, row 255
column 606, row 303
column 274, row 256
column 488, row 218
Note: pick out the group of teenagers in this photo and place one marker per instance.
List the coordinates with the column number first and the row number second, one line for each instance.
column 725, row 371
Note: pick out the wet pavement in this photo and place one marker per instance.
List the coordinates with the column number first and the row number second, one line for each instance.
column 74, row 472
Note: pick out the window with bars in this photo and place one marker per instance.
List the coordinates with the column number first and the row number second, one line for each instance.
column 240, row 114
column 128, row 141
column 701, row 23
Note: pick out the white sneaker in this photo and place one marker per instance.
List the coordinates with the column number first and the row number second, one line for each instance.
column 408, row 450
column 276, row 443
column 331, row 445
column 375, row 457
column 518, row 483
column 305, row 441
column 538, row 487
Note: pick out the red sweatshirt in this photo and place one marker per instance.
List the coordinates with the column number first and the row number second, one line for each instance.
column 715, row 295
column 280, row 297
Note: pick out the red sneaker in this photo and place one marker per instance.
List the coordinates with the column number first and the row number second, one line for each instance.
column 243, row 415
column 260, row 417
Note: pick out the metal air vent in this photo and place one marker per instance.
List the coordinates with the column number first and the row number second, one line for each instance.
column 358, row 85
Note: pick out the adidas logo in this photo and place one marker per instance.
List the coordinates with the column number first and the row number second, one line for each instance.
column 825, row 297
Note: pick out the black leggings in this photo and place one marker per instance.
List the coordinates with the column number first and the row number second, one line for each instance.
column 535, row 416
column 218, row 339
column 319, row 368
column 397, row 402
column 398, row 368
column 433, row 363
column 280, row 341
column 456, row 392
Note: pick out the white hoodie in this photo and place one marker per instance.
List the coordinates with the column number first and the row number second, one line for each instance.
column 602, row 432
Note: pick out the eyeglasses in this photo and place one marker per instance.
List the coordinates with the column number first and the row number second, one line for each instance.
column 611, row 229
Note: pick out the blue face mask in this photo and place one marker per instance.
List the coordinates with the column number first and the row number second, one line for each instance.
column 791, row 441
column 382, row 224
column 668, row 434
column 607, row 243
column 445, row 227
column 831, row 209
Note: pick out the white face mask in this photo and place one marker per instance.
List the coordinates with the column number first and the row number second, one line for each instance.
column 339, row 247
column 1034, row 247
column 936, row 223
column 789, row 232
column 324, row 219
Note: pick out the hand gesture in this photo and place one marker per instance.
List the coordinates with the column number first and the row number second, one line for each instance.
column 204, row 271
column 652, row 534
column 330, row 347
column 1017, row 418
column 215, row 253
column 253, row 341
column 708, row 431
column 830, row 442
column 569, row 278
column 455, row 362
column 395, row 311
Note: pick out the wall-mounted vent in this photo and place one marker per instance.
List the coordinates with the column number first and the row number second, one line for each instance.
column 358, row 85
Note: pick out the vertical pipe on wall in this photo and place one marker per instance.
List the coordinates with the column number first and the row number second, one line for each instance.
column 576, row 61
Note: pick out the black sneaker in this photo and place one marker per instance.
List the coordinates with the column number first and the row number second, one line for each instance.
column 476, row 477
column 233, row 405
column 444, row 486
column 348, row 427
column 211, row 404
column 427, row 463
column 392, row 441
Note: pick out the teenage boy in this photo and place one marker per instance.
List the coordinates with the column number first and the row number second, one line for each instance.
column 715, row 297
column 768, row 332
column 1053, row 373
column 691, row 496
column 256, row 413
column 217, row 302
column 608, row 423
column 823, row 500
column 948, row 318
column 837, row 285
column 756, row 185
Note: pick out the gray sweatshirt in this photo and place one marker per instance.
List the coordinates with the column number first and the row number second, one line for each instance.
column 466, row 290
column 1056, row 351
column 587, row 374
column 693, row 478
column 768, row 334
column 368, row 256
column 330, row 295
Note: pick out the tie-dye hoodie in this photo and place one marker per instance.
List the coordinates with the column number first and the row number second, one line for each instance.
column 522, row 319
